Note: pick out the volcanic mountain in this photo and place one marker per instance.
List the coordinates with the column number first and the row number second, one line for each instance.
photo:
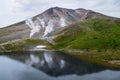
column 48, row 23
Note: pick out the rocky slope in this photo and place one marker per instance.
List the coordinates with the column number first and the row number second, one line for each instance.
column 16, row 31
column 81, row 31
column 47, row 23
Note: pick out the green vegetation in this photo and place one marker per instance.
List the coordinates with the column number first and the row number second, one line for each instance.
column 97, row 61
column 92, row 34
column 15, row 47
column 98, row 38
column 2, row 41
column 34, row 41
column 21, row 45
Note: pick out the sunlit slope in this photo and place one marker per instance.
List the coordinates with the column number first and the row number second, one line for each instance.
column 46, row 24
column 96, row 33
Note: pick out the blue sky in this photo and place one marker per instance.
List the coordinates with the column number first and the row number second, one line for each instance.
column 13, row 11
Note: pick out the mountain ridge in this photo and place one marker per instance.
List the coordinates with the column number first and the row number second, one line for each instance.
column 56, row 17
column 22, row 21
column 77, row 31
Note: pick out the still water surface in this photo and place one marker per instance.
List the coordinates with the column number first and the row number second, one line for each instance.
column 51, row 65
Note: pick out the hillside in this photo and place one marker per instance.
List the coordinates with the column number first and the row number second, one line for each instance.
column 93, row 33
column 96, row 37
column 47, row 23
column 79, row 31
column 15, row 31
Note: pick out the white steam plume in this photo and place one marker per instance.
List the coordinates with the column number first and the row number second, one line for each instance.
column 49, row 28
column 62, row 22
column 41, row 21
column 34, row 28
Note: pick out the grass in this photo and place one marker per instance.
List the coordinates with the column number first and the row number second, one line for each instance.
column 109, row 54
column 103, row 34
column 34, row 42
column 97, row 61
column 21, row 45
column 99, row 36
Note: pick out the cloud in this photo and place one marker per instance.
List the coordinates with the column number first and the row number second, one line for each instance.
column 21, row 9
column 35, row 6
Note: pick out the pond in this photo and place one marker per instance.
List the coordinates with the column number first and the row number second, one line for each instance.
column 51, row 65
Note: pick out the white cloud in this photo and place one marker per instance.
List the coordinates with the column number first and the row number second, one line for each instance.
column 16, row 10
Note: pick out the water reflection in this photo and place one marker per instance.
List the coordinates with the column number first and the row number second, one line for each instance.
column 49, row 64
column 56, row 63
column 13, row 70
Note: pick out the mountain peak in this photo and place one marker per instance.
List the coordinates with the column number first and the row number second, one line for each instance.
column 50, row 22
column 80, row 9
column 55, row 8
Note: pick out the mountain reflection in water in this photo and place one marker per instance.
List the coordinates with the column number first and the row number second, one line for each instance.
column 51, row 65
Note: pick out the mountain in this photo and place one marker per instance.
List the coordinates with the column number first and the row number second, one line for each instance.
column 96, row 33
column 96, row 38
column 48, row 23
column 79, row 31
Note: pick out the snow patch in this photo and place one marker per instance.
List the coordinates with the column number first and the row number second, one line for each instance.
column 40, row 46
